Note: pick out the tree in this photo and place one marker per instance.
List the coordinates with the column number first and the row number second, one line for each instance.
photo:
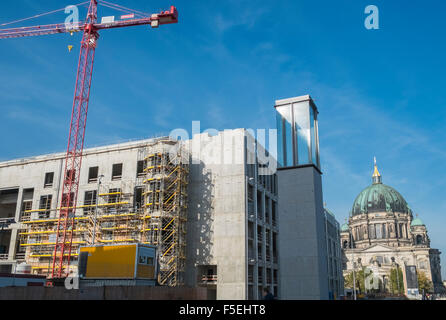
column 348, row 281
column 396, row 281
column 360, row 277
column 424, row 284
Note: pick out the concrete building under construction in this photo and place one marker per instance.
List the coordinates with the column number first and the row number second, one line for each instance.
column 206, row 203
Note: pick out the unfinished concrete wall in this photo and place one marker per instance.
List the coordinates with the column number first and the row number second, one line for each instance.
column 29, row 174
column 216, row 222
column 302, row 243
column 217, row 227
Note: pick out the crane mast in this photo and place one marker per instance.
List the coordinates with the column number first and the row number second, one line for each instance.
column 73, row 160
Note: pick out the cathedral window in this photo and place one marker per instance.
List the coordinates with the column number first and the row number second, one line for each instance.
column 379, row 234
column 419, row 239
column 372, row 234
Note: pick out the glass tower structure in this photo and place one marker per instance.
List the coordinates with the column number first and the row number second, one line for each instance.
column 297, row 132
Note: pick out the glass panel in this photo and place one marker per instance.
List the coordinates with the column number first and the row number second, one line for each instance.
column 279, row 127
column 289, row 143
column 313, row 137
column 302, row 120
column 316, row 141
column 287, row 151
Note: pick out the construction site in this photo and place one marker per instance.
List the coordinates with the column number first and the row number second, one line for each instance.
column 149, row 210
column 79, row 213
column 200, row 212
column 159, row 192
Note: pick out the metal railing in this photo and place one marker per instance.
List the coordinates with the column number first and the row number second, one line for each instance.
column 20, row 256
column 209, row 278
column 4, row 222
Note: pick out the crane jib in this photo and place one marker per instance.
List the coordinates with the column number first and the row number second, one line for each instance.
column 73, row 160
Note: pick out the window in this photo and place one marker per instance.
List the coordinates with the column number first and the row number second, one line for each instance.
column 419, row 239
column 68, row 201
column 146, row 260
column 267, row 201
column 93, row 173
column 259, row 205
column 114, row 195
column 90, row 200
column 274, row 215
column 372, row 234
column 71, row 174
column 140, row 169
column 49, row 179
column 45, row 205
column 379, row 233
column 137, row 203
column 117, row 171
column 26, row 207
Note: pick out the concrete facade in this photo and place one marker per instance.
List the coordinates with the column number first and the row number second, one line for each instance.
column 334, row 256
column 302, row 237
column 302, row 242
column 232, row 226
column 232, row 231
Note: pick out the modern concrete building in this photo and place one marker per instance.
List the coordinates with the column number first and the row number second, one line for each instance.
column 222, row 214
column 334, row 256
column 302, row 241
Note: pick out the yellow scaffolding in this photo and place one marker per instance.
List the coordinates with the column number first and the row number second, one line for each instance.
column 165, row 205
column 112, row 216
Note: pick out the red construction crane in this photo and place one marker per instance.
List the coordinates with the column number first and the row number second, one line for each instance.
column 73, row 161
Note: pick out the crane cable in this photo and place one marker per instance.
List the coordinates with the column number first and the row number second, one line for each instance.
column 101, row 2
column 122, row 8
column 40, row 15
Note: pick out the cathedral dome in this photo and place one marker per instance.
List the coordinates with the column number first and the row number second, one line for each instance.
column 344, row 227
column 379, row 198
column 417, row 222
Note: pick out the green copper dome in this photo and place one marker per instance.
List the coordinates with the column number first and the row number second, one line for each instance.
column 344, row 227
column 417, row 222
column 379, row 198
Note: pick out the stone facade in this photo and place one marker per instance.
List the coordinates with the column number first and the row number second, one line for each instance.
column 382, row 233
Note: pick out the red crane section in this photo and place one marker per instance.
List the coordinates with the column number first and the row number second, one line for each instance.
column 165, row 17
column 73, row 161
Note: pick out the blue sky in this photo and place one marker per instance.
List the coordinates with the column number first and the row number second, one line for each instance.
column 379, row 92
